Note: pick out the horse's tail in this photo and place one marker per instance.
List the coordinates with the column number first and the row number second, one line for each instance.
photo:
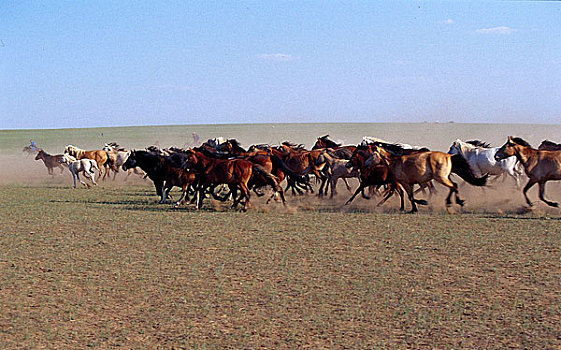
column 279, row 163
column 269, row 178
column 461, row 167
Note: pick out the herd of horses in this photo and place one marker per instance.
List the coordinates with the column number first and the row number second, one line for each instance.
column 224, row 170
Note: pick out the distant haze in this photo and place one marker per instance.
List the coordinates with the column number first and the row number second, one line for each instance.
column 122, row 63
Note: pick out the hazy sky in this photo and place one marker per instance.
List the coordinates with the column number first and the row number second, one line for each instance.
column 113, row 63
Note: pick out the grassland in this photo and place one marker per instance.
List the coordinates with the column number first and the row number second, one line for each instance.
column 109, row 267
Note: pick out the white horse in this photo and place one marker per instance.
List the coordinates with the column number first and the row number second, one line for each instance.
column 84, row 166
column 366, row 140
column 482, row 161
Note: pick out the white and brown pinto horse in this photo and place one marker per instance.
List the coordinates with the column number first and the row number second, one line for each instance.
column 99, row 156
column 482, row 160
column 85, row 166
column 540, row 165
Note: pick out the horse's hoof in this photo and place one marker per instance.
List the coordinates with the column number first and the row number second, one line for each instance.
column 460, row 202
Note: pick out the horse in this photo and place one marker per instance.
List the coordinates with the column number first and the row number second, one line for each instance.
column 539, row 165
column 421, row 167
column 372, row 176
column 50, row 161
column 236, row 173
column 99, row 156
column 339, row 151
column 30, row 150
column 117, row 156
column 77, row 166
column 302, row 162
column 337, row 169
column 547, row 145
column 482, row 160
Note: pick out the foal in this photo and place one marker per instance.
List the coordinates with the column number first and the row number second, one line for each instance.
column 50, row 161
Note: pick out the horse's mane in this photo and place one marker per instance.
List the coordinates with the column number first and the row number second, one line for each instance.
column 550, row 143
column 236, row 145
column 520, row 141
column 328, row 142
column 479, row 143
column 294, row 145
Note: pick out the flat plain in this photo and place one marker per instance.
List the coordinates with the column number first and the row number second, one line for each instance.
column 109, row 267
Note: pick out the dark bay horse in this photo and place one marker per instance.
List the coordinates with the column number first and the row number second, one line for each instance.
column 547, row 145
column 539, row 165
column 339, row 151
column 50, row 161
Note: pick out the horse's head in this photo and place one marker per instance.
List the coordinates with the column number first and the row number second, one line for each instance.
column 66, row 159
column 509, row 149
column 456, row 147
column 108, row 148
column 378, row 156
column 130, row 162
column 40, row 155
column 192, row 159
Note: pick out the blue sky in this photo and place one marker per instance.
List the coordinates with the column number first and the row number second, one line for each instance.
column 113, row 63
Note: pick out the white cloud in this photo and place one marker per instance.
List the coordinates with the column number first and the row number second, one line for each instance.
column 496, row 30
column 448, row 21
column 280, row 57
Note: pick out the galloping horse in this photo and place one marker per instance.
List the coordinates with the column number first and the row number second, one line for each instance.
column 99, row 156
column 339, row 151
column 482, row 160
column 117, row 156
column 236, row 173
column 337, row 169
column 421, row 167
column 540, row 166
column 77, row 166
column 50, row 161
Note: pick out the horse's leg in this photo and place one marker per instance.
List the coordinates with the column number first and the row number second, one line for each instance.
column 409, row 190
column 74, row 177
column 357, row 191
column 347, row 184
column 158, row 184
column 164, row 193
column 530, row 183
column 92, row 174
column 333, row 186
column 542, row 197
column 246, row 194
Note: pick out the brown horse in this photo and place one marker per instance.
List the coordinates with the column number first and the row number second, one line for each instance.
column 236, row 173
column 372, row 175
column 540, row 166
column 99, row 156
column 341, row 152
column 302, row 162
column 50, row 161
column 422, row 167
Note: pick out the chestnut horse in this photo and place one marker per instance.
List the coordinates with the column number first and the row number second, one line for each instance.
column 236, row 173
column 99, row 156
column 540, row 166
column 50, row 161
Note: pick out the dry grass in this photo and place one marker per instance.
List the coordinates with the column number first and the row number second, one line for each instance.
column 110, row 267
